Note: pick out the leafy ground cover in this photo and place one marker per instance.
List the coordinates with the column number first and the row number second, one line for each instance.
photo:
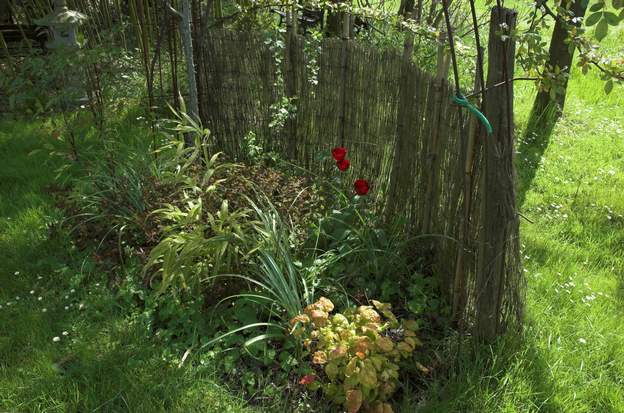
column 570, row 358
column 66, row 344
column 70, row 341
column 92, row 319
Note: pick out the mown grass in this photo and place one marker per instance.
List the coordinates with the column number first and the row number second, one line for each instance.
column 569, row 359
column 107, row 361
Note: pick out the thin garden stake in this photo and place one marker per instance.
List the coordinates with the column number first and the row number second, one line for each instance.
column 500, row 5
column 459, row 98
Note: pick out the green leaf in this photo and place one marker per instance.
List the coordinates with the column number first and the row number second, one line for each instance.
column 601, row 30
column 553, row 93
column 593, row 19
column 608, row 87
column 611, row 18
column 598, row 6
column 618, row 4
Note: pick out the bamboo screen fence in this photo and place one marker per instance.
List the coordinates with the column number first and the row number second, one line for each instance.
column 401, row 129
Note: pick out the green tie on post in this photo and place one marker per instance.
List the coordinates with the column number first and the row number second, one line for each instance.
column 462, row 101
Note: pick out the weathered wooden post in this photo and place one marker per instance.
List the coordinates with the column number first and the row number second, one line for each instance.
column 497, row 262
column 344, row 64
column 291, row 83
column 401, row 166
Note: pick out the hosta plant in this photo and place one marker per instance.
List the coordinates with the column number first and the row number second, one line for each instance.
column 356, row 353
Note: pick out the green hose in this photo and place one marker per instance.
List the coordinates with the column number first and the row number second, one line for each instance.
column 462, row 101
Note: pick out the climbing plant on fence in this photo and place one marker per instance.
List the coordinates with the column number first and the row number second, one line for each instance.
column 416, row 155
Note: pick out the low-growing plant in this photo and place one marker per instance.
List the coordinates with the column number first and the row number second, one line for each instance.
column 115, row 197
column 355, row 354
column 277, row 285
column 197, row 244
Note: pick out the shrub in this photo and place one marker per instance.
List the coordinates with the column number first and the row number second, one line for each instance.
column 355, row 353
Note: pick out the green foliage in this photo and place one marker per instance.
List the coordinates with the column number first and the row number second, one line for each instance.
column 602, row 18
column 109, row 360
column 116, row 190
column 352, row 245
column 197, row 244
column 277, row 287
column 357, row 352
column 533, row 51
column 58, row 81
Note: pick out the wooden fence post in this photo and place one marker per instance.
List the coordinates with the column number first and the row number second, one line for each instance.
column 499, row 218
column 291, row 82
column 346, row 25
column 401, row 168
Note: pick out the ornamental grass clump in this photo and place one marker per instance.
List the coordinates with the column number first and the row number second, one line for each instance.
column 355, row 354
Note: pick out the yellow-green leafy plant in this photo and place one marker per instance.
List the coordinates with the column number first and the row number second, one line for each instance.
column 356, row 353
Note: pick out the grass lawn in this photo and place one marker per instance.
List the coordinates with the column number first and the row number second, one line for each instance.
column 107, row 361
column 570, row 359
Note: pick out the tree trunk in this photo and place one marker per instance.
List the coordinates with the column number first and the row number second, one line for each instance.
column 496, row 267
column 547, row 109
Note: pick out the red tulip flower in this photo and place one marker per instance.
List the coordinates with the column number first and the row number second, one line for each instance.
column 339, row 153
column 308, row 379
column 343, row 165
column 361, row 186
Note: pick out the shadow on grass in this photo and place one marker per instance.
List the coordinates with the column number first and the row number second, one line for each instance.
column 508, row 373
column 107, row 362
column 531, row 149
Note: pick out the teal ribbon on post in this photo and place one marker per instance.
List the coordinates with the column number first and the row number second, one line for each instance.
column 462, row 101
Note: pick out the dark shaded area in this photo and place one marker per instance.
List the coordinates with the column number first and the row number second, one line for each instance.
column 488, row 367
column 531, row 148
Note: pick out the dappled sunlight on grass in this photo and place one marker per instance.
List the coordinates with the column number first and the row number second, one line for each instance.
column 65, row 344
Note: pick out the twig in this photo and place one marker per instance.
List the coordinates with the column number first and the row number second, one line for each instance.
column 503, row 83
column 528, row 220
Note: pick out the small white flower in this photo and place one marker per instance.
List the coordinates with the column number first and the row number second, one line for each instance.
column 72, row 291
column 66, row 297
column 582, row 341
column 39, row 277
column 56, row 339
column 39, row 298
column 17, row 298
column 44, row 310
column 97, row 284
column 81, row 306
column 0, row 306
column 66, row 307
column 16, row 273
column 32, row 291
column 65, row 333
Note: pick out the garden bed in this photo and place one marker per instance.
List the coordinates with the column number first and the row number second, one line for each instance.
column 227, row 260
